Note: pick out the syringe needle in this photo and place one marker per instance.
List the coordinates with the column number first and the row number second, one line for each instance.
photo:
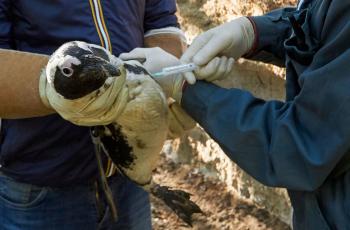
column 183, row 68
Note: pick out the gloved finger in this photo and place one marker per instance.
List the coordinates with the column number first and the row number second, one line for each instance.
column 189, row 77
column 196, row 45
column 220, row 71
column 230, row 63
column 134, row 54
column 208, row 70
column 209, row 51
column 225, row 72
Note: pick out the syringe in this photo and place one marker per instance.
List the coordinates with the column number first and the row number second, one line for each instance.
column 183, row 68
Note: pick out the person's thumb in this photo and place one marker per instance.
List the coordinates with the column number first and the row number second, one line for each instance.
column 189, row 77
column 136, row 53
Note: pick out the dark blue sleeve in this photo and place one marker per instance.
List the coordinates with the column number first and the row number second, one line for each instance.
column 294, row 144
column 160, row 14
column 5, row 25
column 271, row 31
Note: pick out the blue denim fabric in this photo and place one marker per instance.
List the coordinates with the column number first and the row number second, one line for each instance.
column 27, row 207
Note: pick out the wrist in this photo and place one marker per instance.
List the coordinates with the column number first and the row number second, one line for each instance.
column 252, row 47
column 170, row 39
column 242, row 37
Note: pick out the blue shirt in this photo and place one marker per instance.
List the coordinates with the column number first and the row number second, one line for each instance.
column 49, row 150
column 294, row 144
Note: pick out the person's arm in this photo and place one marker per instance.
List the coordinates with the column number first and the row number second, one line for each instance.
column 271, row 30
column 19, row 75
column 19, row 79
column 295, row 144
column 161, row 27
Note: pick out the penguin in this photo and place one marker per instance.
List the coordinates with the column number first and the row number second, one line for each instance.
column 78, row 71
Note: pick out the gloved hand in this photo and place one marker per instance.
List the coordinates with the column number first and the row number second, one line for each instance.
column 155, row 60
column 232, row 39
column 217, row 69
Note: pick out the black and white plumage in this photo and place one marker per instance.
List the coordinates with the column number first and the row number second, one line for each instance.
column 134, row 140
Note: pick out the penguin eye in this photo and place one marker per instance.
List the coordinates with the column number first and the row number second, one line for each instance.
column 66, row 71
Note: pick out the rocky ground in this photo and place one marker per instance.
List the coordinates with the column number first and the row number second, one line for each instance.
column 222, row 209
column 196, row 16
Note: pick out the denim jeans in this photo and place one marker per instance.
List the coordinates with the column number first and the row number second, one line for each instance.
column 29, row 207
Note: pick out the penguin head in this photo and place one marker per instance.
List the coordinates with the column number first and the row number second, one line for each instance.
column 77, row 69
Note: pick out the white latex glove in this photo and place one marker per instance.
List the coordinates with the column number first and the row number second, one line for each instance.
column 232, row 39
column 155, row 60
column 217, row 69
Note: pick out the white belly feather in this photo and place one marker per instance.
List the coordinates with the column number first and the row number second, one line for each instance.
column 144, row 123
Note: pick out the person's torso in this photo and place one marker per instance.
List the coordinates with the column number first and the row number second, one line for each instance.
column 41, row 26
column 327, row 207
column 304, row 42
column 49, row 150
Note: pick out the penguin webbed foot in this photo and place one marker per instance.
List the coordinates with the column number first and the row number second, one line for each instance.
column 179, row 201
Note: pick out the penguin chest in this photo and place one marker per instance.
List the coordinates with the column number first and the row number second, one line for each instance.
column 144, row 124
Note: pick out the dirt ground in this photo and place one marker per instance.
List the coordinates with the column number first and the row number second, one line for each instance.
column 222, row 210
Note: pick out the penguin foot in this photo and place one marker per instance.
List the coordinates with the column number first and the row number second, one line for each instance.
column 178, row 200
